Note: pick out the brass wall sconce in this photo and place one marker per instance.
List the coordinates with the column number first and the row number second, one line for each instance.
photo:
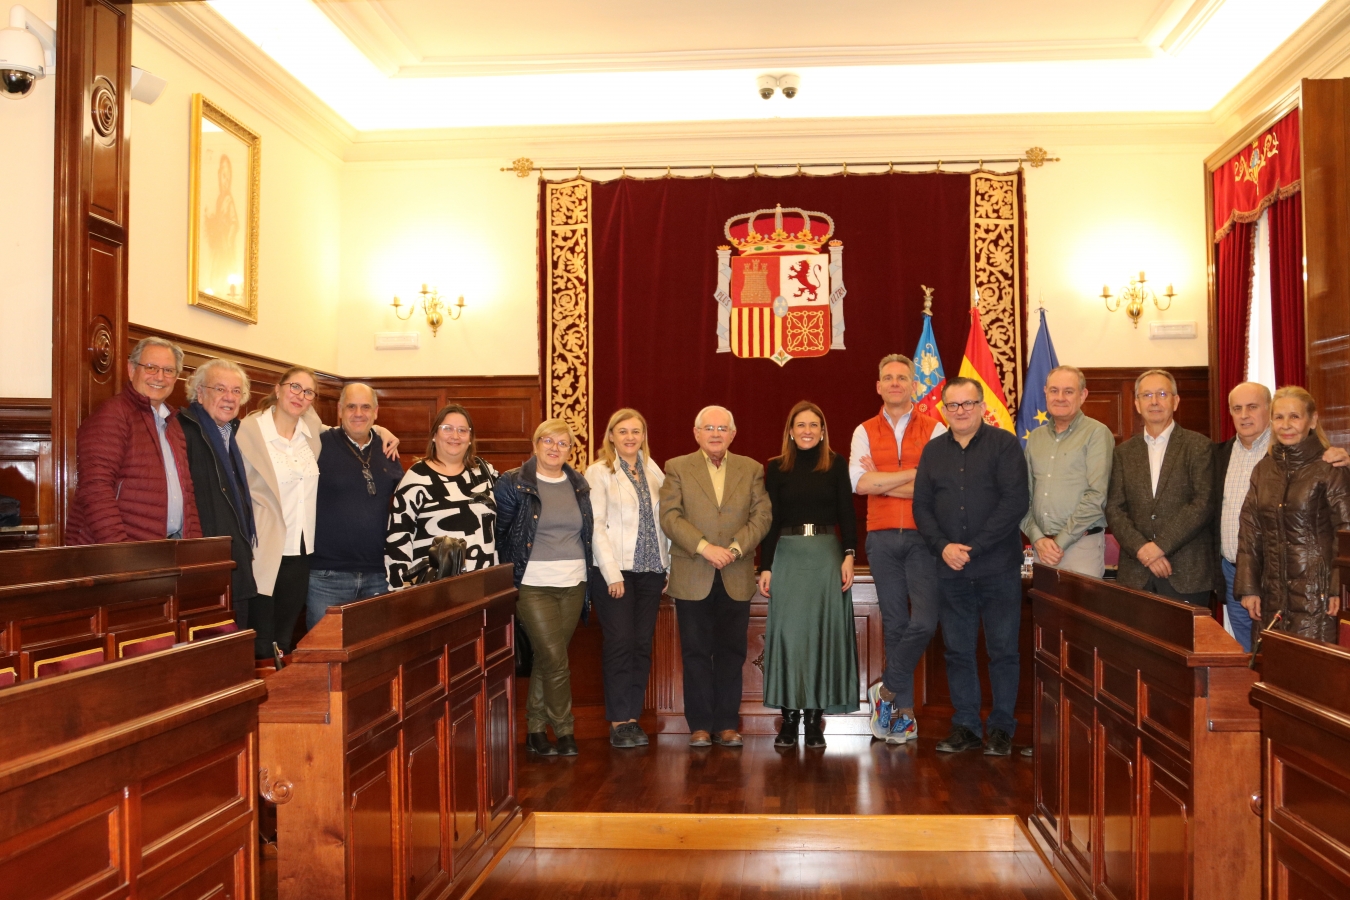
column 436, row 309
column 1134, row 297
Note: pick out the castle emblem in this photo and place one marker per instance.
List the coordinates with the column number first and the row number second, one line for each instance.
column 780, row 298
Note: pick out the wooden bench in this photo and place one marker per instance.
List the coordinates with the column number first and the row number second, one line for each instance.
column 1304, row 699
column 63, row 608
column 388, row 743
column 1147, row 749
column 135, row 779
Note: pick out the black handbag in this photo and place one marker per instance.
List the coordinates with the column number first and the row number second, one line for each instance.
column 444, row 559
column 524, row 652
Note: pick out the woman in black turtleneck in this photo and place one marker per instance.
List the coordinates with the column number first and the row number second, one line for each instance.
column 810, row 652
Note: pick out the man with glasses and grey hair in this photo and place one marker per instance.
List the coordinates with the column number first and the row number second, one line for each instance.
column 1161, row 500
column 1069, row 468
column 218, row 391
column 133, row 482
column 715, row 510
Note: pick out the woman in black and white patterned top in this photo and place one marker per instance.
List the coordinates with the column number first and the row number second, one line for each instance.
column 448, row 492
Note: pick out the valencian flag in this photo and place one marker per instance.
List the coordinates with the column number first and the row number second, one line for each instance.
column 1031, row 414
column 978, row 363
column 928, row 375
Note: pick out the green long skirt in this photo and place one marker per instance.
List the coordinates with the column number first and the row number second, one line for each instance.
column 810, row 651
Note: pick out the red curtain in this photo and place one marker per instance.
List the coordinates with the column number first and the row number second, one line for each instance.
column 1236, row 253
column 1261, row 173
column 1286, row 290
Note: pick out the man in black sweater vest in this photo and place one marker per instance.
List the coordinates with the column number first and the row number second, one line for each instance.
column 356, row 483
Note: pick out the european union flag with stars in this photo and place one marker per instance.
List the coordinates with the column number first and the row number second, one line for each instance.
column 1031, row 414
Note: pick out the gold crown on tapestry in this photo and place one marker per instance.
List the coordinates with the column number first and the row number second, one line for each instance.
column 779, row 230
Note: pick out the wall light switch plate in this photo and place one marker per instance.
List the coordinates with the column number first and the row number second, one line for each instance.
column 396, row 340
column 1169, row 331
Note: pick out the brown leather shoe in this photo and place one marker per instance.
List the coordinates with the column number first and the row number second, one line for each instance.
column 700, row 739
column 729, row 738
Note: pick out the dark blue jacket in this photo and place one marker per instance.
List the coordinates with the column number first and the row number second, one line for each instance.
column 518, row 505
column 977, row 496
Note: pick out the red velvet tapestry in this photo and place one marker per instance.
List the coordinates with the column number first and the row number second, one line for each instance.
column 629, row 269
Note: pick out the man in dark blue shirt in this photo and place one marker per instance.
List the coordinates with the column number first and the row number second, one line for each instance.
column 356, row 483
column 970, row 494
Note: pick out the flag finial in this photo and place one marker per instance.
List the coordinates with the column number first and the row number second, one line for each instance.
column 927, row 300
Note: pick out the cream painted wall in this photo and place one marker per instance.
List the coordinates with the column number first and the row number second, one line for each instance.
column 298, row 268
column 27, row 131
column 1101, row 215
column 460, row 226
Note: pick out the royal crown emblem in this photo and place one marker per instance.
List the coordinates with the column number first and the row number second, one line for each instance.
column 781, row 298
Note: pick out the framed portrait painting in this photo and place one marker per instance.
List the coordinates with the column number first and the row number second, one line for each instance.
column 223, row 225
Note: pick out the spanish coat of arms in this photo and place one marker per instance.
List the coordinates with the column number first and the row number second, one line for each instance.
column 780, row 298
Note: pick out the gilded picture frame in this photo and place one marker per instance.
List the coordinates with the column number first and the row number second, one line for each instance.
column 225, row 163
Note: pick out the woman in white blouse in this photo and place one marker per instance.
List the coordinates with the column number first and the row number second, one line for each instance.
column 632, row 556
column 280, row 446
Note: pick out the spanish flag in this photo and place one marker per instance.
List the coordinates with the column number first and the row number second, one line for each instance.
column 978, row 363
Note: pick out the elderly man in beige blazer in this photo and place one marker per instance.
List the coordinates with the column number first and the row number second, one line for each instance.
column 715, row 511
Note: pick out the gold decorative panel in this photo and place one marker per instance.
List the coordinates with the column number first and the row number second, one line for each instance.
column 995, row 259
column 570, row 342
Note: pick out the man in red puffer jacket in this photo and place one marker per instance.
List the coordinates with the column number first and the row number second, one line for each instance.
column 131, row 458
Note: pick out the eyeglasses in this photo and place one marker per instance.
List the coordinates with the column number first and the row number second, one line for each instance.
column 718, row 429
column 154, row 371
column 967, row 405
column 296, row 387
column 560, row 443
column 458, row 430
column 222, row 390
column 1161, row 395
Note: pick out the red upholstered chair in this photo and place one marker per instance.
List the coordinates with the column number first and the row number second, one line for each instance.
column 202, row 630
column 141, row 640
column 142, row 646
column 66, row 656
column 9, row 669
column 1112, row 550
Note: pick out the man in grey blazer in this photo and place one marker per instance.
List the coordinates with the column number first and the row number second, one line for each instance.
column 715, row 511
column 1161, row 501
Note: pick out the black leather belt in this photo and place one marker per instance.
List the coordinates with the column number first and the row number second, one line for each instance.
column 808, row 530
column 1098, row 530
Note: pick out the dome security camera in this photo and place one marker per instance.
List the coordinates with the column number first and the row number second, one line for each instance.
column 27, row 53
column 767, row 85
column 789, row 84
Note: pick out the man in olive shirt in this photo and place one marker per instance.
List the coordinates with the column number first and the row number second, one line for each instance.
column 1069, row 469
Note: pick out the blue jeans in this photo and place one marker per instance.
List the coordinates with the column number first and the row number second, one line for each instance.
column 905, row 573
column 1237, row 613
column 330, row 587
column 994, row 601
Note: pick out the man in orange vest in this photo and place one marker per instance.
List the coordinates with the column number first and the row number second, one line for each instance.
column 882, row 461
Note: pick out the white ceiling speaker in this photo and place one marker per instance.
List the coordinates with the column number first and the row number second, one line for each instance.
column 146, row 86
column 27, row 53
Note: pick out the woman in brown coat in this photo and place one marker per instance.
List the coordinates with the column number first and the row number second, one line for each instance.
column 1286, row 542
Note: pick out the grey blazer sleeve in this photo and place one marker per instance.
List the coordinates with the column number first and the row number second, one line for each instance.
column 1181, row 525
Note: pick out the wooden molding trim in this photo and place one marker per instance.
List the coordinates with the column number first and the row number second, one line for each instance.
column 771, row 833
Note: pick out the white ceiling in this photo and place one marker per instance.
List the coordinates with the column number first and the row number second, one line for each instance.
column 414, row 64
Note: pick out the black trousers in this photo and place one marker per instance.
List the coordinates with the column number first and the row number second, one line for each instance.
column 1163, row 588
column 713, row 635
column 629, row 624
column 274, row 616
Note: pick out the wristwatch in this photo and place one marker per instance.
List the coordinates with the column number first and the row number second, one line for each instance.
column 849, row 553
column 735, row 553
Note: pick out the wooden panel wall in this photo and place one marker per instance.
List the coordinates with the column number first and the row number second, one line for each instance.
column 93, row 171
column 26, row 471
column 1326, row 243
column 1111, row 399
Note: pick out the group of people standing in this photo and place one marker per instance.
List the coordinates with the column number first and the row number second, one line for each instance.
column 321, row 516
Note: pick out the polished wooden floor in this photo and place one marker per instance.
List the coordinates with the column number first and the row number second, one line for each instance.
column 741, row 875
column 854, row 775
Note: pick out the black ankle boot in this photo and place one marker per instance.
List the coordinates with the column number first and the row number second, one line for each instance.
column 787, row 735
column 815, row 727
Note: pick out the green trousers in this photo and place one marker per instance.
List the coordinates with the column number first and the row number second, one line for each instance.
column 550, row 615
